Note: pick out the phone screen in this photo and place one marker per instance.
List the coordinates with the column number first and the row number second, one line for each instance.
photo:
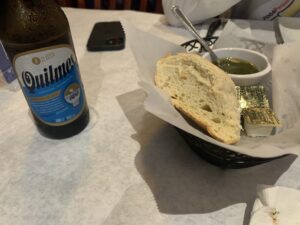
column 106, row 36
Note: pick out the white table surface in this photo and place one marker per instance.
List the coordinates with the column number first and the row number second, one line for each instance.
column 127, row 167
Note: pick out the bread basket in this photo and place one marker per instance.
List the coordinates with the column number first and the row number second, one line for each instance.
column 247, row 152
column 214, row 154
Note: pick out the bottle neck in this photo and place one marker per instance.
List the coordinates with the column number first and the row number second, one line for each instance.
column 29, row 21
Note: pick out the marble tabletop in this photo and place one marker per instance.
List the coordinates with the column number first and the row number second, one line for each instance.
column 127, row 167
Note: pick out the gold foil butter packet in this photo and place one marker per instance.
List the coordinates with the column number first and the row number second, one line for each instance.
column 252, row 97
column 260, row 116
column 259, row 121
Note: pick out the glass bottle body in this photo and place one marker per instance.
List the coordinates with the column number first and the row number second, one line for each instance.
column 37, row 39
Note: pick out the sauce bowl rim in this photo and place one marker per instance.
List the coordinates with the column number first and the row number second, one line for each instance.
column 260, row 73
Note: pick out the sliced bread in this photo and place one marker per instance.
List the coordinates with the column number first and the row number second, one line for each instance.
column 203, row 92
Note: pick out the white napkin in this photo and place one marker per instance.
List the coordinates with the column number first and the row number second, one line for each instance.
column 276, row 206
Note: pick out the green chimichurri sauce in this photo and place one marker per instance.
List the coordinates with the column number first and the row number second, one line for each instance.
column 237, row 66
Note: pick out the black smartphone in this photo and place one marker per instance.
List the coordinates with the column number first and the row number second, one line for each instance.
column 107, row 36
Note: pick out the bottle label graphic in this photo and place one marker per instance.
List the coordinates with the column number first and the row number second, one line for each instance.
column 50, row 81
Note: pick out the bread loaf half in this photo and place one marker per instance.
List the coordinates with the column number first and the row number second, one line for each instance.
column 203, row 92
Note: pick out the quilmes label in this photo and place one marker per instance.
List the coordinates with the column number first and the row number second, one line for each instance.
column 51, row 83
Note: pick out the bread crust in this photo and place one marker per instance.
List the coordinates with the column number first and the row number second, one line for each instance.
column 212, row 83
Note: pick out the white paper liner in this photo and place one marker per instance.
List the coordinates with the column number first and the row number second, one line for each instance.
column 148, row 48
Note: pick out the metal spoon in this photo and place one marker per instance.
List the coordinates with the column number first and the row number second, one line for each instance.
column 189, row 26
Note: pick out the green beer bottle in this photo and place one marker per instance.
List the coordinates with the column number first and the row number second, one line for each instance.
column 37, row 39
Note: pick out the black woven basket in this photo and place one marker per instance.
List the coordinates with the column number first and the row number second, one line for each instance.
column 219, row 156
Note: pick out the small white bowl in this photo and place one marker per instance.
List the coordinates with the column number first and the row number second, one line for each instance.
column 256, row 58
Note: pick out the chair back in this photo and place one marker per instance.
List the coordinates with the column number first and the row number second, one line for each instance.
column 140, row 5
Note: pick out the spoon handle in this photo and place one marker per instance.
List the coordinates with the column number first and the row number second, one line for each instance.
column 187, row 23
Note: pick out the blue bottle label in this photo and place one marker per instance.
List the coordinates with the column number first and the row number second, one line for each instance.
column 51, row 83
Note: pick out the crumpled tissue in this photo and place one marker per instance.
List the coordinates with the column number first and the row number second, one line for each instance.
column 276, row 206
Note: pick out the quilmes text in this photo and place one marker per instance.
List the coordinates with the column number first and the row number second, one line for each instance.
column 49, row 76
